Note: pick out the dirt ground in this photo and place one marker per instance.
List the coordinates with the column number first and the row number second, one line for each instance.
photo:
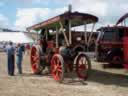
column 102, row 82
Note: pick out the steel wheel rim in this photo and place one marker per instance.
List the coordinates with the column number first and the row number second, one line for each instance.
column 56, row 68
column 34, row 60
column 82, row 67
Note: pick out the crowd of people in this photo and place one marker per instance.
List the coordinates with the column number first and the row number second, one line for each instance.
column 11, row 51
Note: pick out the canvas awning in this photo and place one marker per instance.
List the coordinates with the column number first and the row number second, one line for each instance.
column 76, row 18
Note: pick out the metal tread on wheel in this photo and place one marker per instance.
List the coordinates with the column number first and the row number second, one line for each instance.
column 35, row 61
column 57, row 67
column 83, row 65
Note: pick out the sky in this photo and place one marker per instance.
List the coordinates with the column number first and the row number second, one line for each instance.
column 19, row 14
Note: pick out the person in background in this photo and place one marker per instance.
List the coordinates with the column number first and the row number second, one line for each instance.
column 27, row 48
column 23, row 48
column 10, row 58
column 19, row 55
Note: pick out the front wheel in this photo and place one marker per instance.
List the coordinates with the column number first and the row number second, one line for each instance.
column 83, row 66
column 35, row 61
column 57, row 67
column 116, row 61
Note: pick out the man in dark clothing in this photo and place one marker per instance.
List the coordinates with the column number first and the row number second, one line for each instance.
column 19, row 56
column 10, row 58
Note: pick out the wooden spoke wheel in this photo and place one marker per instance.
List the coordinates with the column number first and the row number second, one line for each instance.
column 57, row 67
column 35, row 59
column 83, row 66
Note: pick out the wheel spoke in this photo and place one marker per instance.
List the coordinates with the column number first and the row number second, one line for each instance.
column 57, row 71
column 82, row 61
column 54, row 62
column 54, row 68
column 57, row 61
column 82, row 66
column 57, row 75
column 60, row 70
column 35, row 58
column 54, row 71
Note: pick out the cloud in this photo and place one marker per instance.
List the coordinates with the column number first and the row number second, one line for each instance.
column 56, row 1
column 45, row 2
column 108, row 11
column 29, row 16
column 34, row 1
column 4, row 22
column 90, row 6
column 35, row 15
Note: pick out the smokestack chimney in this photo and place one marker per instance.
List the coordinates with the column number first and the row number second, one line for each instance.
column 70, row 8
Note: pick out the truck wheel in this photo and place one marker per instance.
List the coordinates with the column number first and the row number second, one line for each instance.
column 116, row 60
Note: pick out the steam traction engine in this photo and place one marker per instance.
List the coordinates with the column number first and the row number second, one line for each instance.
column 63, row 49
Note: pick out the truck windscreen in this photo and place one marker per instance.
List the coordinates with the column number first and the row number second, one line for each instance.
column 109, row 36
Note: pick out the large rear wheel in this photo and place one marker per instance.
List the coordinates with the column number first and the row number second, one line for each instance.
column 57, row 67
column 35, row 61
column 83, row 66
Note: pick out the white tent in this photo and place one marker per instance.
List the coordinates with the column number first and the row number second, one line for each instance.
column 15, row 37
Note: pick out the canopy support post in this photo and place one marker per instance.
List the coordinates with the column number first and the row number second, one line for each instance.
column 57, row 31
column 46, row 34
column 62, row 29
column 37, row 35
column 70, row 33
column 85, row 33
column 90, row 36
column 124, row 23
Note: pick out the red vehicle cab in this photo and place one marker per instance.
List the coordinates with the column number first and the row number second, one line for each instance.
column 110, row 44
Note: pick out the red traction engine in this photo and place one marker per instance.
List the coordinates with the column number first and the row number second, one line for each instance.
column 63, row 51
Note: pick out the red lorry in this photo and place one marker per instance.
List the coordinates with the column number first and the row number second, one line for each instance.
column 112, row 45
